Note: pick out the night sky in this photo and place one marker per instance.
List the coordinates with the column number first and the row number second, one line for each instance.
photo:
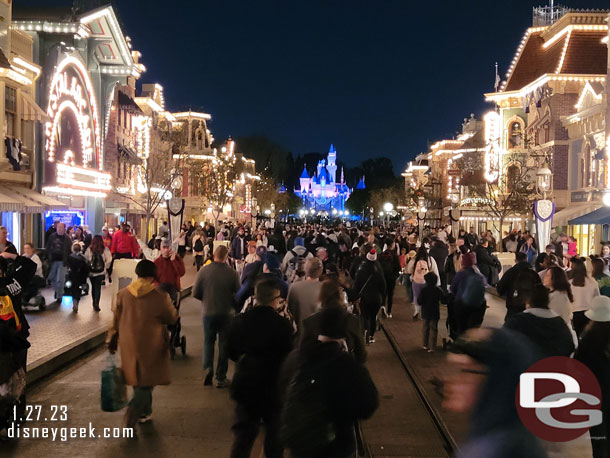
column 376, row 77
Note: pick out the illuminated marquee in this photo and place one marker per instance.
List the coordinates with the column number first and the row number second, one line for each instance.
column 493, row 132
column 74, row 162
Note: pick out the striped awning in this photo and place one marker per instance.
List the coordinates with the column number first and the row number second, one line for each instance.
column 30, row 109
column 49, row 203
column 10, row 204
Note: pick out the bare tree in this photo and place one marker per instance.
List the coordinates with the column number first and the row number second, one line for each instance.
column 511, row 193
column 213, row 182
column 154, row 177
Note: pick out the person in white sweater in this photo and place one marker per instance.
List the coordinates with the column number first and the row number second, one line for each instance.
column 584, row 289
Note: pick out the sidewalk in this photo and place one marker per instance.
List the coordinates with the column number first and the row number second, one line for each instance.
column 188, row 418
column 58, row 335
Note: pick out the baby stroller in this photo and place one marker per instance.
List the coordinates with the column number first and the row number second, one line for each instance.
column 175, row 339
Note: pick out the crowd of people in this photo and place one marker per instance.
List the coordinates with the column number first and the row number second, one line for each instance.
column 295, row 306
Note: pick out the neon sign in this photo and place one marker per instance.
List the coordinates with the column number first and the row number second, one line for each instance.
column 72, row 137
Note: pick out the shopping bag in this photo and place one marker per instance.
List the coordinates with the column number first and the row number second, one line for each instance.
column 114, row 391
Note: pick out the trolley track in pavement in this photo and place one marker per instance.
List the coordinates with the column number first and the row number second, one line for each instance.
column 449, row 442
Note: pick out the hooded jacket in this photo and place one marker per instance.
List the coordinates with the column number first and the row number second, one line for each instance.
column 141, row 317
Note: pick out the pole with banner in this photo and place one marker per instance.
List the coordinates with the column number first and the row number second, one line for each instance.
column 175, row 211
column 543, row 213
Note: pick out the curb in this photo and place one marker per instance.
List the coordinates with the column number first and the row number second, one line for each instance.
column 74, row 350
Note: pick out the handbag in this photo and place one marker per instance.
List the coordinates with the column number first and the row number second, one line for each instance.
column 114, row 390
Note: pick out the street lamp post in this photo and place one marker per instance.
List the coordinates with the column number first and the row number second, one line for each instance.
column 388, row 208
column 544, row 209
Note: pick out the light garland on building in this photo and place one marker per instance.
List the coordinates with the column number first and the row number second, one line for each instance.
column 564, row 52
column 493, row 132
column 71, row 90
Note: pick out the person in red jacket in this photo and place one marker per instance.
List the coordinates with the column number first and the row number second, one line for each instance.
column 124, row 244
column 169, row 270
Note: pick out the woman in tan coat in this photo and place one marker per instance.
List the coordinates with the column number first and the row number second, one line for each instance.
column 141, row 316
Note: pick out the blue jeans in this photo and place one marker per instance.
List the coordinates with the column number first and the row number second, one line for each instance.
column 216, row 325
column 57, row 277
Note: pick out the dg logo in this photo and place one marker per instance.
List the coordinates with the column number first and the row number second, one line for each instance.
column 559, row 399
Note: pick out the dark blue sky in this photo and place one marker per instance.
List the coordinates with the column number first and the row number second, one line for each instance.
column 375, row 77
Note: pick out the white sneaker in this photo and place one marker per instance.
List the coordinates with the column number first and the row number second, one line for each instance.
column 145, row 418
column 389, row 315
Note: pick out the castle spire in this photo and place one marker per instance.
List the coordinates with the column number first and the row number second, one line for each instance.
column 342, row 176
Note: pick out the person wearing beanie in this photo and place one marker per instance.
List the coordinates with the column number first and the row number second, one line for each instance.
column 594, row 352
column 271, row 269
column 372, row 255
column 370, row 288
column 293, row 257
column 259, row 341
column 468, row 289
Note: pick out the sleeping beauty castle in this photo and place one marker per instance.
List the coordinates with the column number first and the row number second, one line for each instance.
column 322, row 191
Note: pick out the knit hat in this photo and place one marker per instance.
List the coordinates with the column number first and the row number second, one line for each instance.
column 299, row 241
column 372, row 255
column 467, row 260
column 272, row 262
column 261, row 251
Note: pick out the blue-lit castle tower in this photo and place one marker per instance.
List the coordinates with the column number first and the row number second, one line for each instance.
column 321, row 191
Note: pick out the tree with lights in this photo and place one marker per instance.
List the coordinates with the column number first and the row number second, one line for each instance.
column 214, row 182
column 509, row 193
column 154, row 177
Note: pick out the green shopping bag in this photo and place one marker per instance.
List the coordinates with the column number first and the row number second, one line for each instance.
column 114, row 391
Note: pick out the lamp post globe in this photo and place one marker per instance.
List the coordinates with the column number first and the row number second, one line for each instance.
column 388, row 207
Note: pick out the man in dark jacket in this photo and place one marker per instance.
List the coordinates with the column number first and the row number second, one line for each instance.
column 485, row 262
column 259, row 341
column 543, row 327
column 517, row 284
column 238, row 245
column 58, row 249
column 370, row 287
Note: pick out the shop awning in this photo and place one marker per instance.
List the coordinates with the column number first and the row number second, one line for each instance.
column 130, row 155
column 30, row 109
column 9, row 204
column 599, row 216
column 129, row 104
column 48, row 203
column 26, row 205
column 562, row 217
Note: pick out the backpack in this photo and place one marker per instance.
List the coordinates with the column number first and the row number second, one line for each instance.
column 306, row 425
column 474, row 292
column 7, row 312
column 297, row 266
column 198, row 245
column 97, row 264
